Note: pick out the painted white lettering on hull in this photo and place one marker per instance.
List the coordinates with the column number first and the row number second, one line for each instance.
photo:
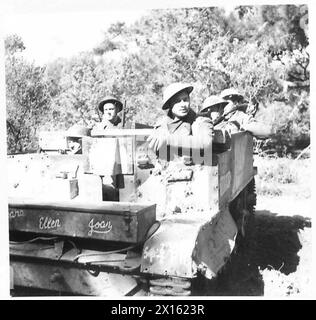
column 99, row 227
column 48, row 223
column 15, row 213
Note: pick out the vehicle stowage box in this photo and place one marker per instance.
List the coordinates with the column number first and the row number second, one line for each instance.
column 112, row 221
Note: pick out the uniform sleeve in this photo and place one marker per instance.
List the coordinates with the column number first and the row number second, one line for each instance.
column 202, row 133
column 202, row 126
column 258, row 129
column 230, row 127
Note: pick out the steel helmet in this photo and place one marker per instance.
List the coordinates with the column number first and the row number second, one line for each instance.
column 172, row 90
column 213, row 101
column 113, row 100
column 231, row 94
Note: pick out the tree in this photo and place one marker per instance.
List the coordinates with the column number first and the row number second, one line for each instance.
column 13, row 44
column 27, row 98
column 77, row 91
column 261, row 50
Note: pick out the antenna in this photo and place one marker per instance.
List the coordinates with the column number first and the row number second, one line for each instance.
column 124, row 114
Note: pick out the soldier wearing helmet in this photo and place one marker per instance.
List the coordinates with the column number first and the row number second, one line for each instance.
column 238, row 102
column 180, row 121
column 215, row 108
column 232, row 94
column 236, row 107
column 235, row 112
column 110, row 107
column 74, row 138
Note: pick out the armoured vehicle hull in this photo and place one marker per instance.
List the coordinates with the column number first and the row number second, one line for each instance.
column 115, row 220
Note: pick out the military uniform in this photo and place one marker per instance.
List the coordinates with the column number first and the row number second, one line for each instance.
column 239, row 119
column 235, row 111
column 178, row 171
column 106, row 124
column 220, row 122
column 230, row 127
column 233, row 118
column 192, row 124
column 193, row 127
column 110, row 182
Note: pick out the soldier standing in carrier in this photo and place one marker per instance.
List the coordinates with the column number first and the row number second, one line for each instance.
column 74, row 138
column 214, row 108
column 235, row 112
column 180, row 121
column 183, row 142
column 110, row 107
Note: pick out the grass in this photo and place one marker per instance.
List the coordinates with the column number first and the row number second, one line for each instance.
column 283, row 176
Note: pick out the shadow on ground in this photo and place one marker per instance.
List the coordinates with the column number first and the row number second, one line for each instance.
column 271, row 242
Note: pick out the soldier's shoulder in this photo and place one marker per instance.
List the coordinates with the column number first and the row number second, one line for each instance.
column 118, row 122
column 119, row 125
column 202, row 125
column 202, row 121
column 241, row 117
column 161, row 122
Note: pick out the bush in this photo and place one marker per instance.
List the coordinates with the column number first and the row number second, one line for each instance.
column 268, row 189
column 291, row 123
column 283, row 176
column 278, row 170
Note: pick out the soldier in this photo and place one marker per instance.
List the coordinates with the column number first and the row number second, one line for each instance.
column 74, row 138
column 181, row 121
column 110, row 107
column 181, row 139
column 214, row 108
column 235, row 112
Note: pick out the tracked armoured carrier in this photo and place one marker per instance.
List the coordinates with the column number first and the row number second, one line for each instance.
column 116, row 220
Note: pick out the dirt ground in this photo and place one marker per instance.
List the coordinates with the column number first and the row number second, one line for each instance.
column 274, row 260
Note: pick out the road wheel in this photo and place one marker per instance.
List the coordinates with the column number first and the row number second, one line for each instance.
column 170, row 286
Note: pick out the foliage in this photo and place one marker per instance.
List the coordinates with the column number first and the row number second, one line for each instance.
column 260, row 50
column 27, row 99
column 283, row 176
column 13, row 44
column 76, row 91
column 279, row 172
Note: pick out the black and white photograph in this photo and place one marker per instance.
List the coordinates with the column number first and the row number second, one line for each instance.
column 156, row 150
